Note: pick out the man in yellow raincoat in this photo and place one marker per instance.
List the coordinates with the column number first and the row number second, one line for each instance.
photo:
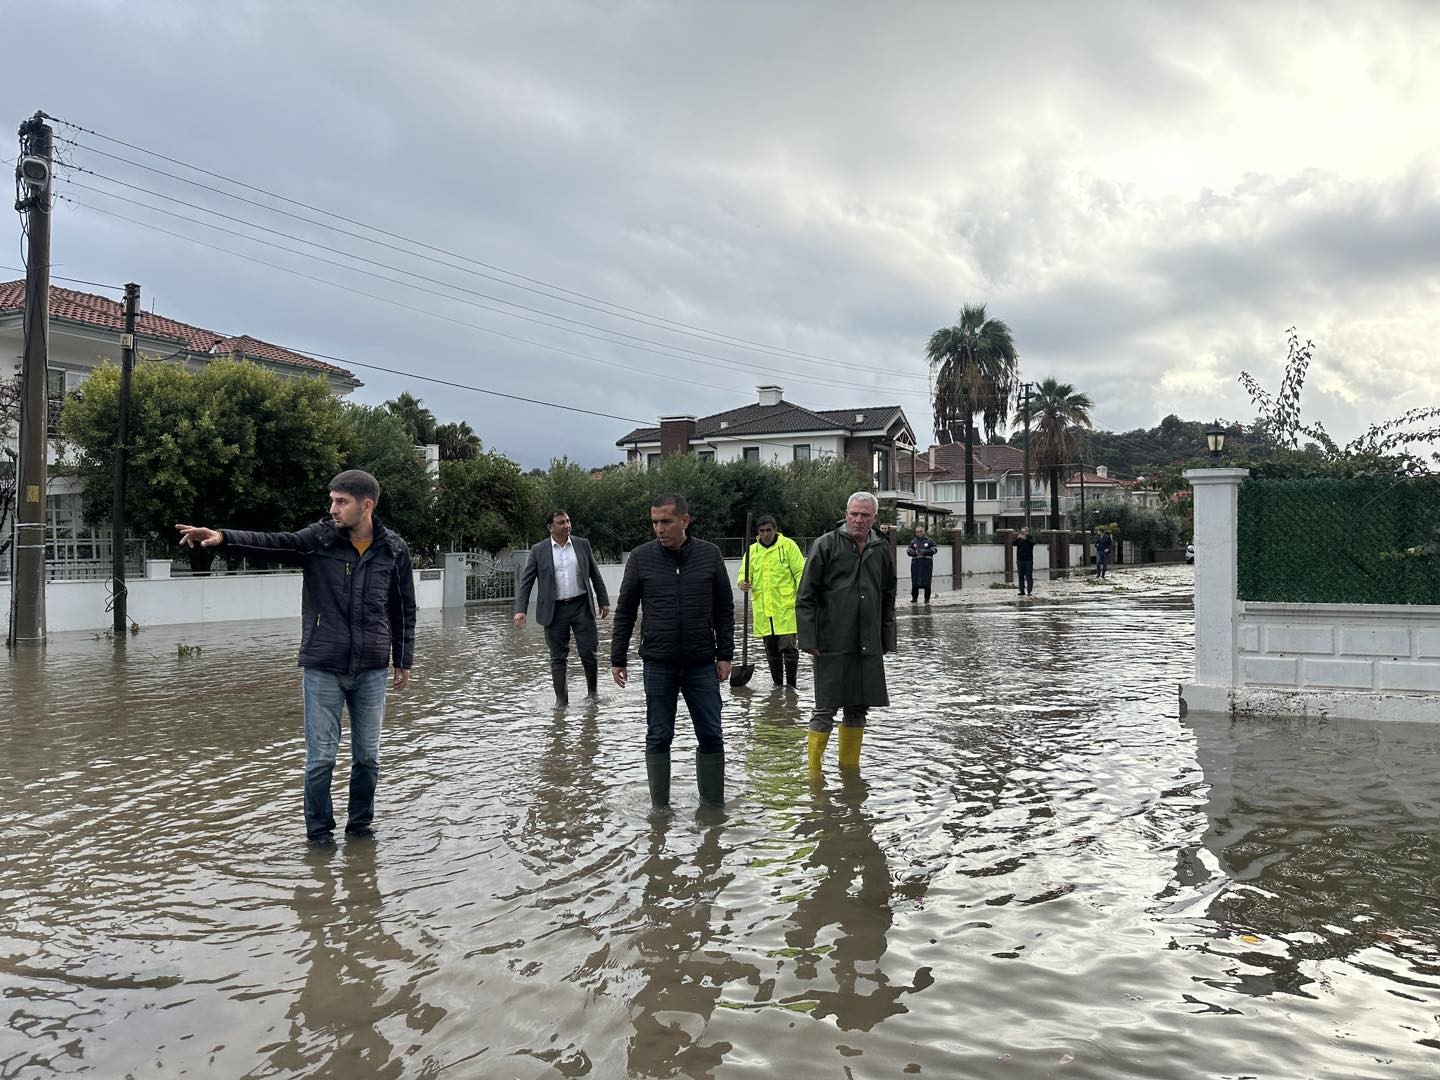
column 775, row 569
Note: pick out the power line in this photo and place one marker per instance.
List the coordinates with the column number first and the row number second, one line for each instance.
column 77, row 281
column 545, row 288
column 386, row 299
column 708, row 359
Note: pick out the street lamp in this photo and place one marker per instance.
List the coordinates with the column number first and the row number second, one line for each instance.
column 1215, row 437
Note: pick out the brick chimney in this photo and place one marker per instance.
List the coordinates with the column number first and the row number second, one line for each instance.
column 675, row 434
column 771, row 395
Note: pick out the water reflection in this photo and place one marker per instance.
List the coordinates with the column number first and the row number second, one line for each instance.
column 349, row 1000
column 1325, row 835
column 1043, row 872
column 683, row 968
column 853, row 895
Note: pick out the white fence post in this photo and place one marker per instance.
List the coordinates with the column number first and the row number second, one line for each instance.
column 453, row 594
column 1217, row 581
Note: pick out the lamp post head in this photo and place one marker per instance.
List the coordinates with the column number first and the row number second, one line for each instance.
column 1215, row 439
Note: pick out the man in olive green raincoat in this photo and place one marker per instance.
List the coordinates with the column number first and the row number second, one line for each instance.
column 845, row 613
column 771, row 575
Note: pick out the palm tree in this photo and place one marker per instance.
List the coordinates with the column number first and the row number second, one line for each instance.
column 1059, row 417
column 975, row 367
column 418, row 420
column 458, row 442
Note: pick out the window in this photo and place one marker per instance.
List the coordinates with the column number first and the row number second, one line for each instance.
column 881, row 463
column 55, row 391
column 705, row 455
column 802, row 452
column 751, row 453
column 652, row 461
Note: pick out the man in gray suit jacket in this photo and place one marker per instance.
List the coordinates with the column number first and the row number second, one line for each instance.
column 566, row 570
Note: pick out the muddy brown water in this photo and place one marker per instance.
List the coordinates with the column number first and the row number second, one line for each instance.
column 1041, row 871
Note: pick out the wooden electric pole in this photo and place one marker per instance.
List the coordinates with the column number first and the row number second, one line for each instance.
column 33, row 170
column 122, row 450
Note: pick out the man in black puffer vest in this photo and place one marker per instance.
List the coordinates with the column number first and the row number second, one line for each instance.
column 687, row 640
column 357, row 617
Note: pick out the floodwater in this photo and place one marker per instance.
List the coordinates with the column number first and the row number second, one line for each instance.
column 1041, row 871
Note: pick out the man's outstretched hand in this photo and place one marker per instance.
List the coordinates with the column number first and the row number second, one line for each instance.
column 199, row 536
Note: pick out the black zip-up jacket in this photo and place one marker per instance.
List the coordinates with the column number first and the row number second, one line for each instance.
column 689, row 608
column 357, row 611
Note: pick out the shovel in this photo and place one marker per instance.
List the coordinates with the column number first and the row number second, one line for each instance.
column 740, row 673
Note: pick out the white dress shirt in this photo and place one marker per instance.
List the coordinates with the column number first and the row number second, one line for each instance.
column 567, row 571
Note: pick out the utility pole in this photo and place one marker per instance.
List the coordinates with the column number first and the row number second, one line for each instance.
column 1025, row 415
column 33, row 170
column 1084, row 533
column 118, row 594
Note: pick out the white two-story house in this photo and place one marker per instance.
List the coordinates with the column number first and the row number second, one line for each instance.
column 877, row 439
column 84, row 332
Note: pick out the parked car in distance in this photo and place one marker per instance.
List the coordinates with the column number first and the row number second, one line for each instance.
column 1189, row 553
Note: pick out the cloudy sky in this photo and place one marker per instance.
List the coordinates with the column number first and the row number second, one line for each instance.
column 716, row 195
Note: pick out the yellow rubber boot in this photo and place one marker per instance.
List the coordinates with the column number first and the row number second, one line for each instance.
column 849, row 753
column 816, row 750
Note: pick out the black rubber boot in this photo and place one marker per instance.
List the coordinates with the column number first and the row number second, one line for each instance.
column 792, row 667
column 592, row 675
column 557, row 678
column 710, row 778
column 657, row 774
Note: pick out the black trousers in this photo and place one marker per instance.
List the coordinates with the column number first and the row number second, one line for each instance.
column 920, row 571
column 572, row 617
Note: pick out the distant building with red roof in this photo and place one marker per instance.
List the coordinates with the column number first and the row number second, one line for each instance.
column 85, row 331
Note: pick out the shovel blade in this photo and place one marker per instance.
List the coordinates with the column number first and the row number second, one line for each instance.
column 740, row 674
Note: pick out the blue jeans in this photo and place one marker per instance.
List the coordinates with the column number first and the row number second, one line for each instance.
column 326, row 695
column 1025, row 574
column 664, row 683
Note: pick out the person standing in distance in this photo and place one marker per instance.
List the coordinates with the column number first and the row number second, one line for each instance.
column 846, row 614
column 687, row 640
column 922, row 551
column 1025, row 561
column 357, row 618
column 774, row 570
column 565, row 569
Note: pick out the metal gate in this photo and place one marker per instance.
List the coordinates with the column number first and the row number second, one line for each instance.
column 488, row 579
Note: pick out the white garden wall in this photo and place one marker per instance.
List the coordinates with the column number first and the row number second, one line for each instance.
column 82, row 605
column 1342, row 661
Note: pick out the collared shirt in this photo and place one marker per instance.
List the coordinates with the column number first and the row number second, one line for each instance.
column 567, row 571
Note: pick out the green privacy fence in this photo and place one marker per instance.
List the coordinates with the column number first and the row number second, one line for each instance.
column 1340, row 541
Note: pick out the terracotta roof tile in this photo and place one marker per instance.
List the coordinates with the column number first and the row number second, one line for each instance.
column 106, row 314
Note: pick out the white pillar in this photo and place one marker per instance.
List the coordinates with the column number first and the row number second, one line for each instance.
column 452, row 593
column 1217, row 578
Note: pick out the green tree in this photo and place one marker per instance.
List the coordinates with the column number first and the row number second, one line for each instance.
column 9, row 463
column 1144, row 525
column 458, row 441
column 419, row 421
column 974, row 363
column 232, row 444
column 379, row 443
column 483, row 503
column 1059, row 418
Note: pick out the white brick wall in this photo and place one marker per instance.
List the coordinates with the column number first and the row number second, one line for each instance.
column 1340, row 647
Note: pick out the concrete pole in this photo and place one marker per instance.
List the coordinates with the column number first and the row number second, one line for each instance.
column 27, row 608
column 1216, row 495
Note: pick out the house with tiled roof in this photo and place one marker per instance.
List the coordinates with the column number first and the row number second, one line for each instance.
column 998, row 474
column 877, row 439
column 84, row 332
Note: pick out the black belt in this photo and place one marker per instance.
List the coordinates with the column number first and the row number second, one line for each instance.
column 572, row 599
